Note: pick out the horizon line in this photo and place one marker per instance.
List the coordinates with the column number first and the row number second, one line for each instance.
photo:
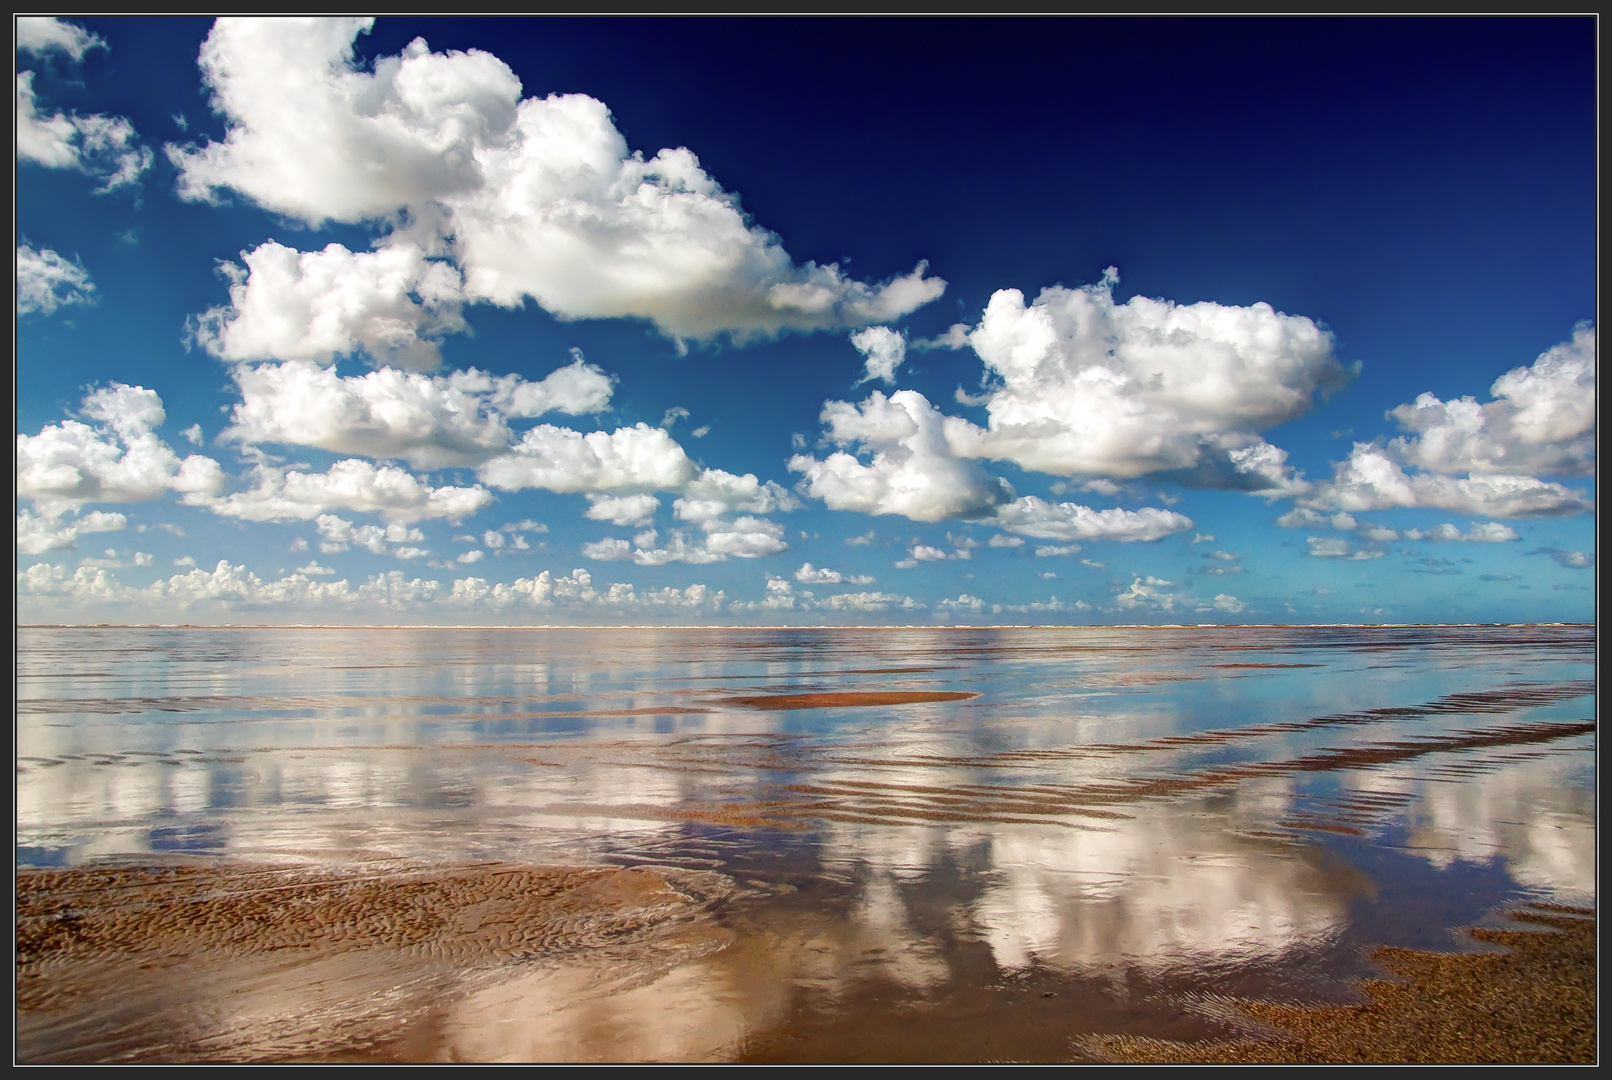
column 780, row 626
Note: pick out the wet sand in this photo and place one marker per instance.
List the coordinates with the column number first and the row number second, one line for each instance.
column 381, row 962
column 1533, row 1002
column 845, row 700
column 252, row 963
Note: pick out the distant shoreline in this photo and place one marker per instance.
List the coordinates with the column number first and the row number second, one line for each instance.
column 785, row 626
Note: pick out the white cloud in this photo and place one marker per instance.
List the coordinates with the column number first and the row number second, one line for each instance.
column 622, row 509
column 537, row 197
column 391, row 304
column 914, row 471
column 1335, row 547
column 925, row 553
column 475, row 555
column 1000, row 540
column 430, row 421
column 1035, row 517
column 1485, row 532
column 811, row 575
column 313, row 569
column 884, row 350
column 1229, row 604
column 964, row 602
column 1369, row 479
column 1576, row 560
column 743, row 538
column 37, row 535
column 118, row 460
column 1088, row 386
column 1541, row 421
column 1054, row 550
column 290, row 494
column 42, row 35
column 338, row 534
column 46, row 281
column 866, row 602
column 97, row 145
column 1147, row 592
column 714, row 493
column 639, row 458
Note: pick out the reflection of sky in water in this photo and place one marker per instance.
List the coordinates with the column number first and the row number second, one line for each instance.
column 1112, row 797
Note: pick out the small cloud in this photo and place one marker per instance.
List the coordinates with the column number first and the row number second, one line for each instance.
column 193, row 434
column 1497, row 577
column 864, row 540
column 1203, row 538
column 1050, row 550
column 701, row 432
column 1229, row 604
column 471, row 556
column 1576, row 560
column 313, row 569
column 184, row 560
column 299, row 544
column 1002, row 540
column 672, row 416
column 1094, row 564
column 1047, row 574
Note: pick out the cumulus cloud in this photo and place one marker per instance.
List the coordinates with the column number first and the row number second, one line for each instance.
column 1575, row 560
column 429, row 421
column 37, row 535
column 1088, row 386
column 118, row 459
column 41, row 36
column 1229, row 604
column 811, row 575
column 97, row 145
column 622, row 509
column 636, row 459
column 535, row 197
column 392, row 304
column 1486, row 532
column 338, row 534
column 1334, row 547
column 1147, row 592
column 293, row 494
column 883, row 349
column 46, row 281
column 1370, row 479
column 1036, row 517
column 1541, row 421
column 742, row 538
column 714, row 493
column 914, row 469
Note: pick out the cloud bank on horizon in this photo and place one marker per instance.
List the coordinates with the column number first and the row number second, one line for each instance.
column 437, row 211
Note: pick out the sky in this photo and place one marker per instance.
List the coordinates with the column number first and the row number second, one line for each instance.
column 1075, row 321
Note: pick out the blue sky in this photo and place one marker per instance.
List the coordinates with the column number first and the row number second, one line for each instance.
column 805, row 321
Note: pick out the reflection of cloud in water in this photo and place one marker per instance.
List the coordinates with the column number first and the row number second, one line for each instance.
column 1174, row 883
column 1537, row 815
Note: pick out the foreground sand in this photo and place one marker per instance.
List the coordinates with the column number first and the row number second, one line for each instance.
column 192, row 963
column 391, row 962
column 1533, row 1002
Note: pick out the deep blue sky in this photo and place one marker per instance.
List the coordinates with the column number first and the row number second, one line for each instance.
column 1424, row 189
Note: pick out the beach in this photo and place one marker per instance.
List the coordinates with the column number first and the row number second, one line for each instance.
column 502, row 845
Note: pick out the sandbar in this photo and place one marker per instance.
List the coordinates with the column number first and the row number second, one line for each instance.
column 1534, row 1002
column 847, row 699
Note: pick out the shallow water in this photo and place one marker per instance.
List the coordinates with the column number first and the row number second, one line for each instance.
column 954, row 844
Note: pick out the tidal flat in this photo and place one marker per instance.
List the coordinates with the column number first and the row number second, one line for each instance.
column 867, row 844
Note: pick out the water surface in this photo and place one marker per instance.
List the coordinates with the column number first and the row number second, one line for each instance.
column 953, row 843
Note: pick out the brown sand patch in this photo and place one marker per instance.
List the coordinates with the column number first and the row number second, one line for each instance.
column 847, row 699
column 1533, row 1003
column 1262, row 667
column 256, row 962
